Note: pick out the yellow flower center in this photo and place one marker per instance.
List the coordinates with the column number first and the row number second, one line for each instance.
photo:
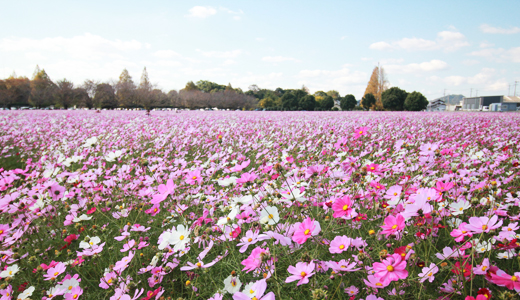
column 379, row 284
column 394, row 227
column 109, row 281
column 509, row 229
column 390, row 268
column 484, row 227
column 303, row 274
column 199, row 264
column 342, row 247
column 345, row 207
column 70, row 287
column 1, row 231
column 271, row 216
column 10, row 272
column 372, row 168
column 75, row 296
column 251, row 292
column 484, row 268
column 307, row 231
column 514, row 278
column 461, row 209
column 430, row 274
column 361, row 132
column 194, row 177
column 249, row 239
column 56, row 273
column 254, row 298
column 181, row 237
column 395, row 194
column 233, row 283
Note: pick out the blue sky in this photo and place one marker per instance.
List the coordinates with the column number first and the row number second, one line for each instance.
column 425, row 46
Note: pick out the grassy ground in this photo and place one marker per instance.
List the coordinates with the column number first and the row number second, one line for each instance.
column 12, row 162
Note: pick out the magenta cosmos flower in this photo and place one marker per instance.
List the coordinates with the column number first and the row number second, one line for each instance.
column 301, row 272
column 164, row 191
column 254, row 260
column 393, row 224
column 343, row 208
column 501, row 278
column 305, row 230
column 391, row 269
column 339, row 244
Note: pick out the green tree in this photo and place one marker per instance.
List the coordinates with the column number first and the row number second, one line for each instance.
column 104, row 96
column 209, row 87
column 368, row 101
column 327, row 103
column 348, row 102
column 289, row 101
column 393, row 98
column 307, row 102
column 190, row 86
column 415, row 101
column 42, row 89
column 64, row 93
column 334, row 94
column 267, row 102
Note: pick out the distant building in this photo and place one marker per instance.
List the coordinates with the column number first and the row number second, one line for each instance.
column 500, row 103
column 436, row 105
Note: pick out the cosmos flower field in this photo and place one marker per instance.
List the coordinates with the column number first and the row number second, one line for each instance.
column 259, row 205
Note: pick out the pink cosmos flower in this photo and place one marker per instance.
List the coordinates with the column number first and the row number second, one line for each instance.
column 240, row 167
column 483, row 224
column 305, row 230
column 391, row 269
column 482, row 269
column 54, row 272
column 74, row 293
column 339, row 244
column 123, row 263
column 343, row 266
column 254, row 260
column 301, row 272
column 108, row 280
column 479, row 297
column 375, row 282
column 461, row 232
column 164, row 191
column 343, row 208
column 361, row 131
column 247, row 177
column 128, row 246
column 259, row 288
column 375, row 168
column 501, row 278
column 250, row 238
column 194, row 177
column 428, row 272
column 393, row 224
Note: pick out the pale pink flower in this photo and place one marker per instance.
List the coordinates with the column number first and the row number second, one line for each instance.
column 392, row 268
column 301, row 272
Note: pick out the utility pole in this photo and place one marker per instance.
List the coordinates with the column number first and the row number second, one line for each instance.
column 516, row 82
column 470, row 92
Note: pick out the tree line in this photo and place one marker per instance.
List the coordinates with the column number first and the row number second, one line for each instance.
column 41, row 92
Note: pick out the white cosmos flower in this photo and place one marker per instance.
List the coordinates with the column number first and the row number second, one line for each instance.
column 93, row 241
column 269, row 215
column 9, row 272
column 26, row 294
column 483, row 247
column 83, row 217
column 227, row 181
column 180, row 238
column 458, row 208
column 232, row 284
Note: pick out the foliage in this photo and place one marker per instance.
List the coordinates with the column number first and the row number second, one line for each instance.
column 348, row 102
column 368, row 101
column 327, row 103
column 415, row 101
column 307, row 102
column 393, row 98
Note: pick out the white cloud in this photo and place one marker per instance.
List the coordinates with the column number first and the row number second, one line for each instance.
column 470, row 62
column 166, row 54
column 381, row 46
column 485, row 80
column 228, row 62
column 417, row 68
column 343, row 37
column 277, row 59
column 270, row 81
column 343, row 80
column 486, row 45
column 499, row 54
column 260, row 39
column 87, row 46
column 35, row 56
column 202, row 11
column 221, row 54
column 446, row 40
column 498, row 30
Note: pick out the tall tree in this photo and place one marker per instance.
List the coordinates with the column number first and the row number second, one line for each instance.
column 190, row 86
column 89, row 86
column 333, row 93
column 126, row 93
column 327, row 103
column 64, row 93
column 289, row 101
column 307, row 102
column 42, row 89
column 146, row 98
column 348, row 102
column 393, row 98
column 415, row 101
column 15, row 91
column 368, row 101
column 104, row 96
column 377, row 84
